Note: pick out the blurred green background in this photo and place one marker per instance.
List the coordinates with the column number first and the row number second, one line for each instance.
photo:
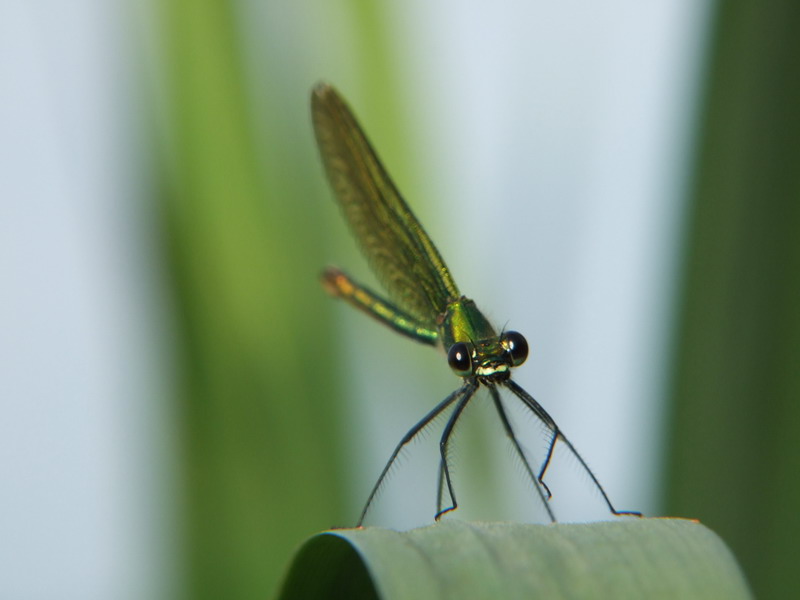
column 186, row 406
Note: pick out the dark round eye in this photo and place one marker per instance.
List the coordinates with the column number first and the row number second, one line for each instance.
column 517, row 347
column 459, row 359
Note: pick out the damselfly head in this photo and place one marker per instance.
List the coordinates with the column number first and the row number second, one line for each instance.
column 489, row 360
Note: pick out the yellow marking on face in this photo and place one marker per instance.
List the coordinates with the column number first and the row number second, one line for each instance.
column 486, row 371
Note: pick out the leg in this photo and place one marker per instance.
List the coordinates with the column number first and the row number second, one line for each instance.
column 540, row 412
column 633, row 513
column 510, row 433
column 407, row 438
column 545, row 418
column 448, row 430
column 440, row 487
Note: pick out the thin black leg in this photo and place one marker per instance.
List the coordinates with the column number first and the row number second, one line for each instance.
column 510, row 433
column 408, row 437
column 440, row 488
column 540, row 412
column 448, row 430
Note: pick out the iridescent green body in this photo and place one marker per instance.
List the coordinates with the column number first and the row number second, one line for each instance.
column 461, row 321
column 424, row 302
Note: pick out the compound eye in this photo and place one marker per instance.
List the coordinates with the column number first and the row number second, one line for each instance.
column 517, row 347
column 460, row 359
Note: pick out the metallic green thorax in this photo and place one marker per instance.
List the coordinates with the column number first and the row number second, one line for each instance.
column 463, row 322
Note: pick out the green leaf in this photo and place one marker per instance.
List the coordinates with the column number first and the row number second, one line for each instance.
column 733, row 411
column 642, row 558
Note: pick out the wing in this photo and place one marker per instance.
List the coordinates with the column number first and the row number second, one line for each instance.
column 399, row 251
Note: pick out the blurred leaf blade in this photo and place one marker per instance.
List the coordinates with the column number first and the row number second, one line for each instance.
column 650, row 558
column 259, row 449
column 735, row 414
